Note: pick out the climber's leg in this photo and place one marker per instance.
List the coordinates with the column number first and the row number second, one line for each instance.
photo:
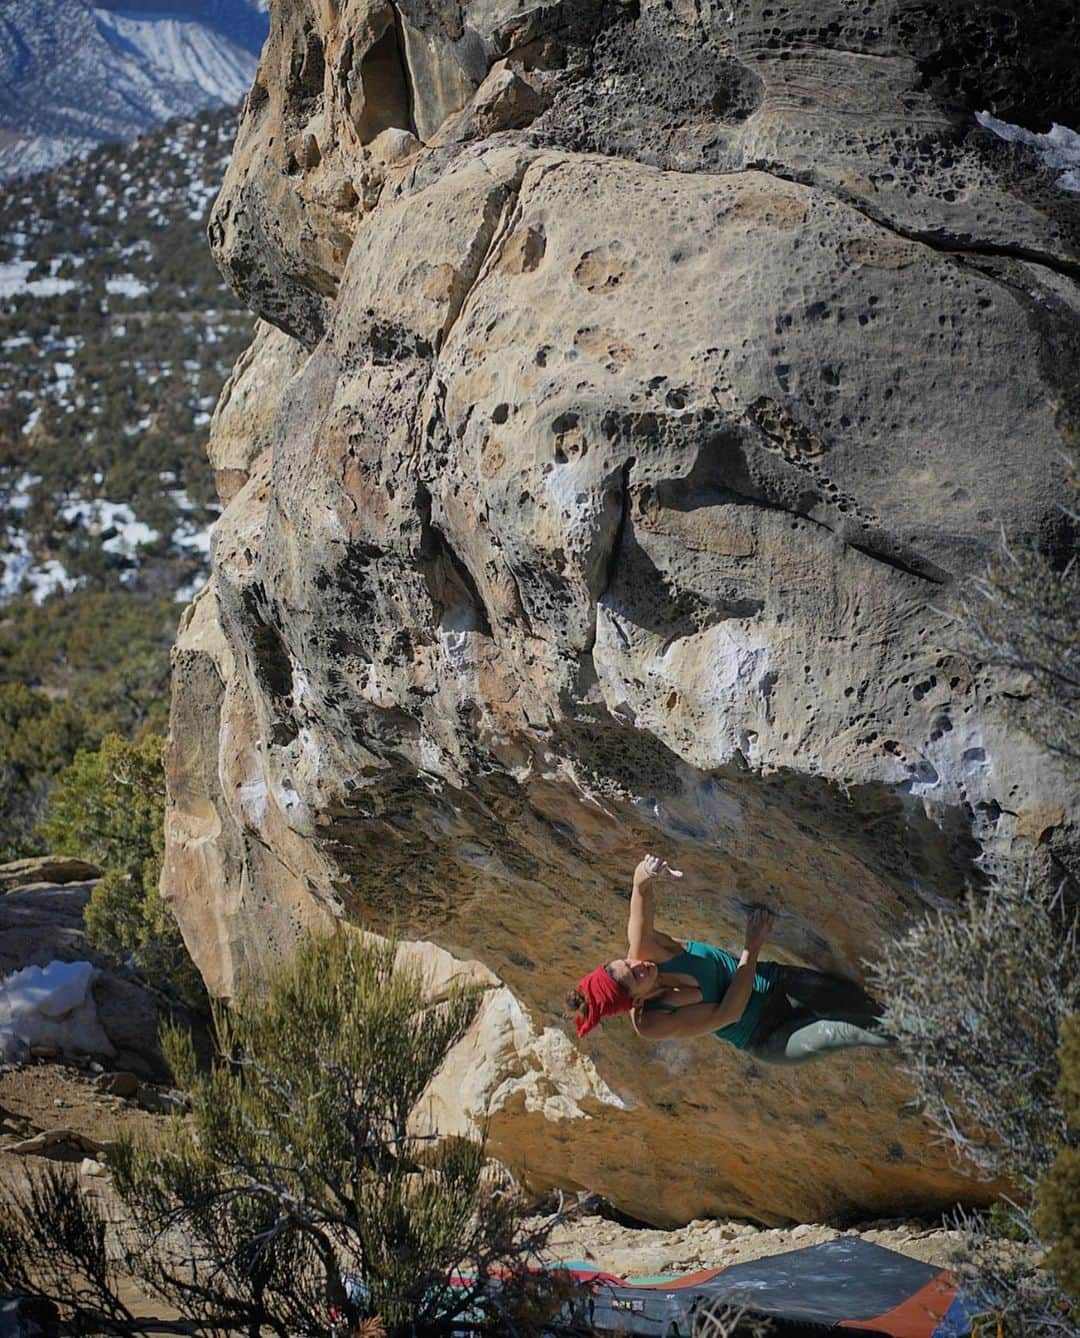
column 803, row 1037
column 829, row 997
column 810, row 1014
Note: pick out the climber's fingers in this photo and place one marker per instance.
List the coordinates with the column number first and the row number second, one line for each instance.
column 655, row 867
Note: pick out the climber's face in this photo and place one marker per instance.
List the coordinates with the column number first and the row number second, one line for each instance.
column 634, row 975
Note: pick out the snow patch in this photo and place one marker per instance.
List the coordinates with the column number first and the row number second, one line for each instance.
column 50, row 1005
column 182, row 49
column 1059, row 148
column 195, row 541
column 15, row 280
column 186, row 593
column 122, row 530
column 19, row 573
column 19, row 498
column 126, row 285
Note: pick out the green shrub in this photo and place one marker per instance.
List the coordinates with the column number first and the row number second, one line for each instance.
column 976, row 1001
column 108, row 806
column 984, row 1002
column 1058, row 1219
column 38, row 736
column 106, row 650
column 1057, row 1216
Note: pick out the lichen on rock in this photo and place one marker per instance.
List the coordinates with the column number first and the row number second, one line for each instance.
column 643, row 383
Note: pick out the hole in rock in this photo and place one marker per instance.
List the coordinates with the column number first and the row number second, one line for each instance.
column 384, row 96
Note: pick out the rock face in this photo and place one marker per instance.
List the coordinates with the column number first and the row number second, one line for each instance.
column 643, row 383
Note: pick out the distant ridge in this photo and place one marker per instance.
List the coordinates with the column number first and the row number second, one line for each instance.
column 73, row 75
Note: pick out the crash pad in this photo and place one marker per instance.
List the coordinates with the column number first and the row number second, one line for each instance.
column 845, row 1286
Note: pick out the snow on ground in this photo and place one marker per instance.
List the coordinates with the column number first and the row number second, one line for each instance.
column 122, row 530
column 118, row 529
column 27, row 154
column 1059, row 148
column 56, row 263
column 126, row 285
column 16, row 563
column 64, row 374
column 14, row 280
column 19, row 498
column 194, row 541
column 141, row 247
column 202, row 195
column 190, row 539
column 18, row 572
column 141, row 425
column 186, row 593
column 50, row 1005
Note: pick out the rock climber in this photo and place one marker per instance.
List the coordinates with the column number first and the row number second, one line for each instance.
column 779, row 1014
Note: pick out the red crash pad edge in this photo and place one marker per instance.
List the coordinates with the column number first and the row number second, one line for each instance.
column 918, row 1316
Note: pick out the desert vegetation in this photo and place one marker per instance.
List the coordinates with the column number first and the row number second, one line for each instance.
column 986, row 1004
column 298, row 1196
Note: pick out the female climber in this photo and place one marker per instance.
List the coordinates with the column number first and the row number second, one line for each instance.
column 780, row 1014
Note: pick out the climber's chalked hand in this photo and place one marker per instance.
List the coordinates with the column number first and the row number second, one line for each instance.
column 652, row 866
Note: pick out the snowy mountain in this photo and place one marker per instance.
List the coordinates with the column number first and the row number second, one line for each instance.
column 74, row 75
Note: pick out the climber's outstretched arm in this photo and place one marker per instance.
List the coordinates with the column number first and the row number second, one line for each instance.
column 644, row 940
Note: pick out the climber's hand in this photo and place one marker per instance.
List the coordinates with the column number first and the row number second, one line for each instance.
column 759, row 925
column 654, row 867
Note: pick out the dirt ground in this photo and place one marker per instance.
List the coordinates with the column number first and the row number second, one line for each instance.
column 61, row 1096
column 52, row 1097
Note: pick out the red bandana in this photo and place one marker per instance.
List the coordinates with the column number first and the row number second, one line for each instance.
column 605, row 998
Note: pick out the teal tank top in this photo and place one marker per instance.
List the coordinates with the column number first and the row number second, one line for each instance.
column 714, row 970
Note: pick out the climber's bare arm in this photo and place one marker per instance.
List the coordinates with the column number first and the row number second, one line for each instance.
column 759, row 925
column 644, row 940
column 695, row 1020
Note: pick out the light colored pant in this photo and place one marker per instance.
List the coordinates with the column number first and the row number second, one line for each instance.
column 811, row 1014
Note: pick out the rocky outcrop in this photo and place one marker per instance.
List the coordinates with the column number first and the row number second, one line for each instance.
column 643, row 383
column 45, row 869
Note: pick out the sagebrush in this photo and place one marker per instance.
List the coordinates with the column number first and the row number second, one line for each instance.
column 297, row 1197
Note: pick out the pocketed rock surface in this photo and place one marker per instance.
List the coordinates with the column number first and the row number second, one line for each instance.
column 636, row 387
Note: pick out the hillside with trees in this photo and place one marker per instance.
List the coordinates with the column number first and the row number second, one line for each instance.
column 116, row 333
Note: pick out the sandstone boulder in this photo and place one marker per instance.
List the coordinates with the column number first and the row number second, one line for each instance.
column 645, row 382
